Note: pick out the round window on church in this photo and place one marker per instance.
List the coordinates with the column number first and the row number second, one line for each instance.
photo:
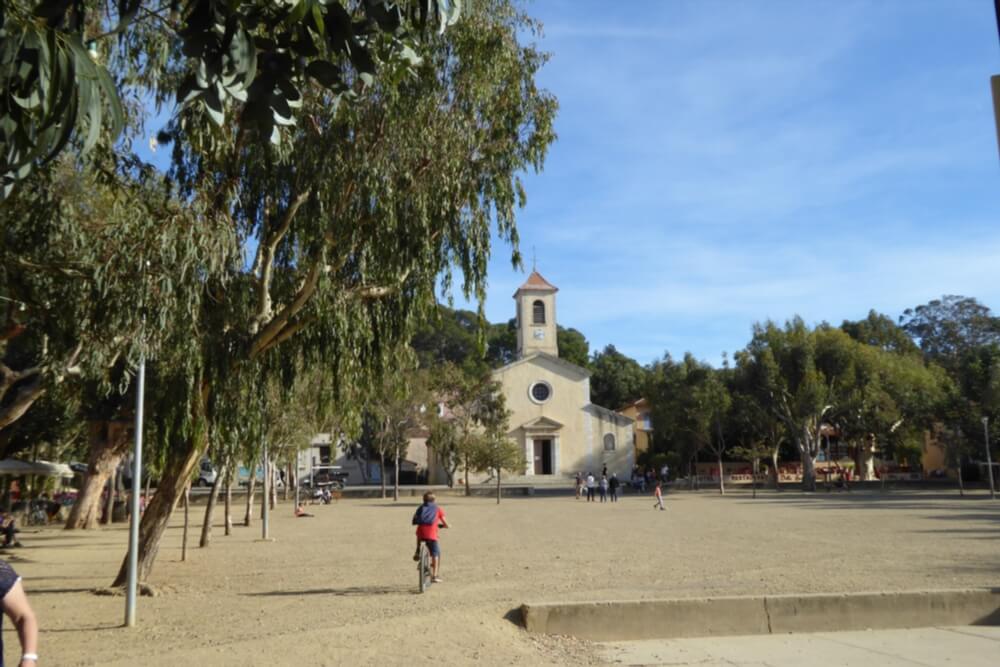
column 540, row 392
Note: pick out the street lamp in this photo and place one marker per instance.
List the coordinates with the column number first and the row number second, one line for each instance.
column 989, row 459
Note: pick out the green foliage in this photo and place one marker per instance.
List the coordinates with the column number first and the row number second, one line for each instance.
column 689, row 402
column 573, row 346
column 951, row 326
column 616, row 379
column 471, row 412
column 880, row 331
column 254, row 56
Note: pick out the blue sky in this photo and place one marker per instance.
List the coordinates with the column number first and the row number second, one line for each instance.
column 725, row 162
column 721, row 163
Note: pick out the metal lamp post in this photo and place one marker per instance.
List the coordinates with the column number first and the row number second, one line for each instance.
column 989, row 459
column 133, row 527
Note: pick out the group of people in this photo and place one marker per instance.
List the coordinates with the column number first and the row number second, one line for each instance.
column 605, row 486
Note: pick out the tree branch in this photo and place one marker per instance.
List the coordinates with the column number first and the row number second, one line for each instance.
column 264, row 261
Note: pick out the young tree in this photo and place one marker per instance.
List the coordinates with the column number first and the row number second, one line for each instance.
column 471, row 407
column 495, row 452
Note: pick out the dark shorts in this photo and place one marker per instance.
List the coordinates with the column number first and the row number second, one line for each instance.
column 433, row 546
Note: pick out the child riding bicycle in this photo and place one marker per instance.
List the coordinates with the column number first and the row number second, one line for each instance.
column 428, row 518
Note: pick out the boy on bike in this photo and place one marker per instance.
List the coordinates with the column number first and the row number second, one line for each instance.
column 427, row 519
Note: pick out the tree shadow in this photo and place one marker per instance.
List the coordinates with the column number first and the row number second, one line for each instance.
column 350, row 591
column 48, row 591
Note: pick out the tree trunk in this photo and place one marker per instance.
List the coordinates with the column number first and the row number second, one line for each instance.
column 272, row 488
column 498, row 486
column 754, row 467
column 776, row 478
column 187, row 516
column 149, row 481
column 229, row 503
column 106, row 450
column 206, row 525
column 808, row 471
column 180, row 464
column 722, row 484
column 395, row 480
column 381, row 465
column 961, row 484
column 109, row 504
column 467, row 491
column 251, row 487
column 288, row 480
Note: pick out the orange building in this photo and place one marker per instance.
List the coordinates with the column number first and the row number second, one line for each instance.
column 643, row 432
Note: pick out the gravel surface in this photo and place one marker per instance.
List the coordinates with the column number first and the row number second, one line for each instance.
column 340, row 588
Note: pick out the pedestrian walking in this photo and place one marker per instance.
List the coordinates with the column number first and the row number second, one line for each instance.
column 604, row 488
column 658, row 492
column 613, row 487
column 579, row 485
column 590, row 487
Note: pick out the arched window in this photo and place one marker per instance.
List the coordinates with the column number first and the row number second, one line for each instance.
column 609, row 442
column 538, row 312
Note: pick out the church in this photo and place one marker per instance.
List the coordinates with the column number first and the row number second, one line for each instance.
column 560, row 431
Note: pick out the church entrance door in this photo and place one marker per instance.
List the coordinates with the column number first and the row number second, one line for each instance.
column 543, row 457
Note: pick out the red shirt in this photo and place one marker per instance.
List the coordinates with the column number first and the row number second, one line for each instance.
column 429, row 531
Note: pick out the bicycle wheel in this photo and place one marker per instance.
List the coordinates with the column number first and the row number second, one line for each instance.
column 424, row 568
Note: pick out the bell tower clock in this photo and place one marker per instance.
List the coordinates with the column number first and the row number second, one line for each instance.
column 536, row 316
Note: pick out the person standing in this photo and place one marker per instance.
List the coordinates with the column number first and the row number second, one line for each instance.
column 604, row 488
column 658, row 493
column 18, row 610
column 579, row 485
column 613, row 487
column 590, row 487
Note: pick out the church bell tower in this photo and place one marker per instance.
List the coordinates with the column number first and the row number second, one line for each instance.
column 536, row 316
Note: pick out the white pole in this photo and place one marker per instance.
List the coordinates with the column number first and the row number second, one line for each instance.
column 133, row 529
column 265, row 508
column 989, row 459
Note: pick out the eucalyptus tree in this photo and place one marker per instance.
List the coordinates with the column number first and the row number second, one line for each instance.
column 68, row 69
column 95, row 268
column 360, row 211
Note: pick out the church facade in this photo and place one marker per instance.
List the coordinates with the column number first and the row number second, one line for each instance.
column 552, row 418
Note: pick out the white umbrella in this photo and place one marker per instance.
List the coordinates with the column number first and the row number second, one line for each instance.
column 17, row 467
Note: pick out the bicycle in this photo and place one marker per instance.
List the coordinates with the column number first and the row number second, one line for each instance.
column 424, row 573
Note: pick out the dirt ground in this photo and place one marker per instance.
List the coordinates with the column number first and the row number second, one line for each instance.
column 340, row 588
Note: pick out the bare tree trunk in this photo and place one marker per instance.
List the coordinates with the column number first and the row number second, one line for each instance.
column 754, row 467
column 395, row 481
column 381, row 463
column 187, row 516
column 288, row 479
column 106, row 451
column 808, row 471
column 149, row 481
column 251, row 485
column 229, row 503
column 961, row 484
column 774, row 469
column 272, row 488
column 176, row 476
column 206, row 524
column 722, row 484
column 498, row 486
column 467, row 491
column 109, row 504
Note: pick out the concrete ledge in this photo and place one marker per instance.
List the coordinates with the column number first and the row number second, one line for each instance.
column 706, row 617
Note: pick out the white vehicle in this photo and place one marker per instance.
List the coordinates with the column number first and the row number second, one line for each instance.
column 206, row 474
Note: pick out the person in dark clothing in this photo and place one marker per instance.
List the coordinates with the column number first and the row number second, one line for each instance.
column 613, row 487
